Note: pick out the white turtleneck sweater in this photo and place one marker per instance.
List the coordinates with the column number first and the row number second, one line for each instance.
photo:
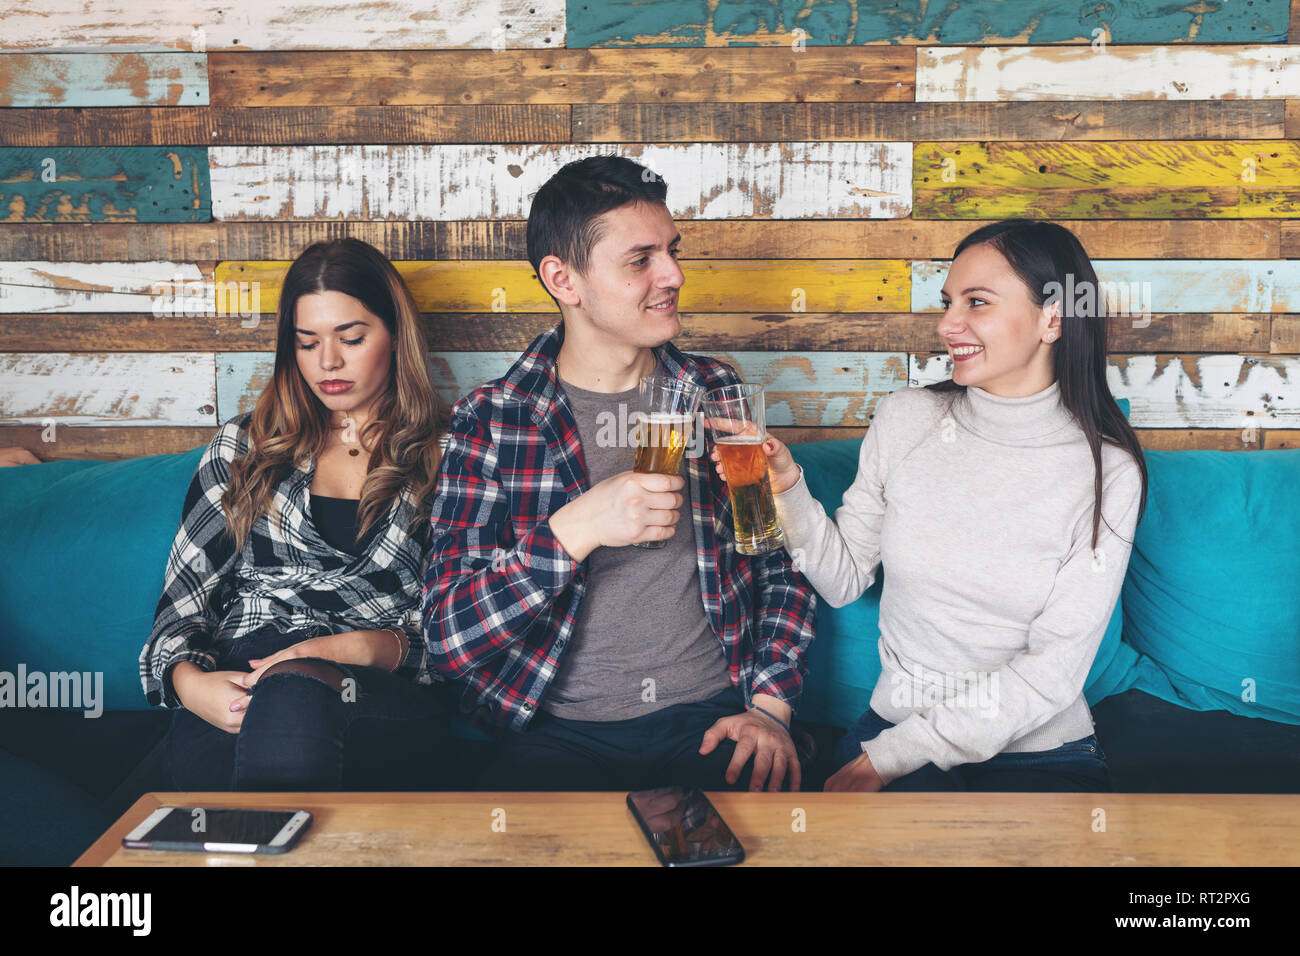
column 994, row 602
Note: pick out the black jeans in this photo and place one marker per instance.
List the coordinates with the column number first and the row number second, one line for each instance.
column 656, row 750
column 313, row 725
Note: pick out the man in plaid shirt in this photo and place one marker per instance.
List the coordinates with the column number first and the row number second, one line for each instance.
column 615, row 666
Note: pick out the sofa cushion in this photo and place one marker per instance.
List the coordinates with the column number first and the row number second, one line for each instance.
column 81, row 572
column 1153, row 746
column 1212, row 595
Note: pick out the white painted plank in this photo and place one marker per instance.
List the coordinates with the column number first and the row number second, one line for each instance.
column 103, row 287
column 971, row 74
column 804, row 388
column 1160, row 286
column 1170, row 391
column 75, row 25
column 118, row 388
column 460, row 182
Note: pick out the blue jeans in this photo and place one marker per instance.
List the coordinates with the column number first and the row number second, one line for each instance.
column 307, row 728
column 1078, row 766
column 659, row 749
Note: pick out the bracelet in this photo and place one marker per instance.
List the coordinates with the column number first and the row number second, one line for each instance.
column 777, row 719
column 401, row 650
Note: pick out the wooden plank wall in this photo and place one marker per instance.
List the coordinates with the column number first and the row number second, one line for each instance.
column 823, row 159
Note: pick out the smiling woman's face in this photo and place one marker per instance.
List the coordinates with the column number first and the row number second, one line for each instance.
column 344, row 352
column 986, row 305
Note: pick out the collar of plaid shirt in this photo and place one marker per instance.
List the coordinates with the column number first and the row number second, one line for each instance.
column 533, row 380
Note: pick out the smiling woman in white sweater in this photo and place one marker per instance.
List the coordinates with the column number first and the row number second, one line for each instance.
column 1002, row 504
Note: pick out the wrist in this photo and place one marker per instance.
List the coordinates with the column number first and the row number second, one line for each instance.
column 569, row 533
column 782, row 484
column 181, row 675
column 773, row 707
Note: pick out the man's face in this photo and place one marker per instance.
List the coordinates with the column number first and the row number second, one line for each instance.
column 629, row 294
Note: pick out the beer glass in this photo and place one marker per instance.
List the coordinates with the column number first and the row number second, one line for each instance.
column 663, row 428
column 735, row 415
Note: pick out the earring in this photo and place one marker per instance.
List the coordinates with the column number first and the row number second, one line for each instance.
column 1052, row 337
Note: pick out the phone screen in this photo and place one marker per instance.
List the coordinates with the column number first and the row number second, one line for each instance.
column 200, row 825
column 684, row 827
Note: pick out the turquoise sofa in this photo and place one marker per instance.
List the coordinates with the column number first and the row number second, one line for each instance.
column 1196, row 687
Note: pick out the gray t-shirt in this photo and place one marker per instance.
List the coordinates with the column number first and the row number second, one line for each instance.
column 642, row 640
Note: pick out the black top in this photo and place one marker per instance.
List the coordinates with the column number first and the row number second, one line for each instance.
column 336, row 520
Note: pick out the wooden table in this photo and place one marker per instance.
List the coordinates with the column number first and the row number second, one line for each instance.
column 877, row 829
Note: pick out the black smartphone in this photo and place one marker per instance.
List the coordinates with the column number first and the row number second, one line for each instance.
column 219, row 830
column 684, row 828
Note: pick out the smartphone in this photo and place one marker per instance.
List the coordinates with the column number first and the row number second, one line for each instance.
column 219, row 830
column 683, row 827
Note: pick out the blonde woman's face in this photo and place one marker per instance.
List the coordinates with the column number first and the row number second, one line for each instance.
column 344, row 352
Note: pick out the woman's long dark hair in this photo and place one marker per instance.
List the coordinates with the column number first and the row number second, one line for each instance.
column 290, row 423
column 1049, row 258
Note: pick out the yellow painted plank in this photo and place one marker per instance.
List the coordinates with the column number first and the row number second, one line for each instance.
column 718, row 285
column 1236, row 179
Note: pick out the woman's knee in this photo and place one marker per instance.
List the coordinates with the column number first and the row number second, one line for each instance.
column 292, row 733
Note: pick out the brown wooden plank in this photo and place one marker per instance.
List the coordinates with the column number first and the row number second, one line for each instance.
column 1290, row 239
column 112, row 444
column 507, row 331
column 1292, row 119
column 473, row 77
column 798, row 436
column 1211, row 439
column 702, row 239
column 1280, row 438
column 107, row 126
column 1294, row 35
column 185, row 242
column 311, row 125
column 1285, row 334
column 104, row 443
column 1046, row 121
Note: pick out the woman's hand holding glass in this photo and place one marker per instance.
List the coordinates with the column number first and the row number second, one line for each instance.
column 781, row 468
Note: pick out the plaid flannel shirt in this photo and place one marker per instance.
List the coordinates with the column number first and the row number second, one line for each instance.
column 501, row 595
column 286, row 574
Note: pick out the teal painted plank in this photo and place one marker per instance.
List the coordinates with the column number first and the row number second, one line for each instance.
column 806, row 389
column 103, row 79
column 697, row 23
column 105, row 184
column 1162, row 286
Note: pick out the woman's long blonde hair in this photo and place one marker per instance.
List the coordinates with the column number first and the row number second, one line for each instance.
column 290, row 423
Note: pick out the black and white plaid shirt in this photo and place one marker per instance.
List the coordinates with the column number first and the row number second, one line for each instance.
column 286, row 574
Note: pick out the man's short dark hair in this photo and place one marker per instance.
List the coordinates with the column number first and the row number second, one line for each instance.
column 564, row 218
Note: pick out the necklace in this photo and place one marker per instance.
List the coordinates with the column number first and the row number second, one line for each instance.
column 354, row 452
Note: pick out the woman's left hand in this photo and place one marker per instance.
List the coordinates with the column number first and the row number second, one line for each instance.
column 855, row 776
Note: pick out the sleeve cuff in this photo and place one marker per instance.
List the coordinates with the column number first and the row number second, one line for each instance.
column 166, row 696
column 895, row 751
column 544, row 559
column 796, row 507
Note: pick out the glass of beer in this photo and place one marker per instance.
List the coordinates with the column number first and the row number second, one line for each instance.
column 663, row 428
column 735, row 414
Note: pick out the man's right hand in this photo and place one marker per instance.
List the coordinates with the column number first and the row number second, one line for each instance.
column 211, row 694
column 622, row 509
